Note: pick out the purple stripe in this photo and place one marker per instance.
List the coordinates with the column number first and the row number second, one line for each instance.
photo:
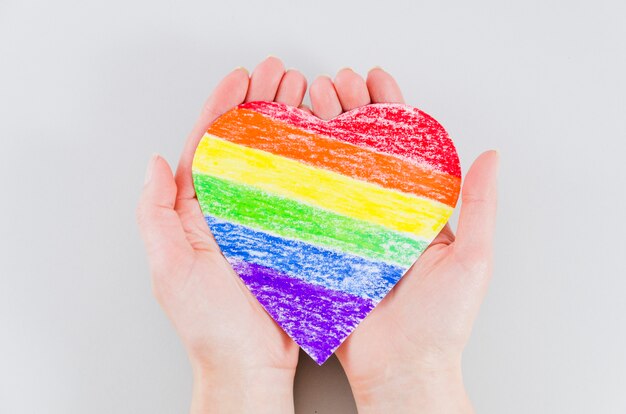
column 317, row 318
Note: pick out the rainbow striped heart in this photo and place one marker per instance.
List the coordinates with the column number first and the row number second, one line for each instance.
column 320, row 219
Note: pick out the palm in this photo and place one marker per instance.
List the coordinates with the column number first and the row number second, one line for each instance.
column 208, row 282
column 427, row 317
column 216, row 316
column 428, row 314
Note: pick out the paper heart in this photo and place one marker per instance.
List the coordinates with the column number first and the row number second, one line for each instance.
column 320, row 219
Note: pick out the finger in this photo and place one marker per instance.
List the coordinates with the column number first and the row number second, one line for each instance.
column 351, row 89
column 306, row 109
column 159, row 224
column 292, row 88
column 477, row 218
column 265, row 80
column 195, row 226
column 324, row 99
column 229, row 93
column 382, row 87
column 445, row 236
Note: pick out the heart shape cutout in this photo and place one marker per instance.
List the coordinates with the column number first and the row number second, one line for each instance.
column 320, row 219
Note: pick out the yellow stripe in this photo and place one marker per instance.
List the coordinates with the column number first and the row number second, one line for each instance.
column 344, row 195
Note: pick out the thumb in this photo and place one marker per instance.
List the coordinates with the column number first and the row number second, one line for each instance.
column 477, row 218
column 160, row 226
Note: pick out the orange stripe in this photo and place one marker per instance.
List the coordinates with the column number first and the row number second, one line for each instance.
column 251, row 129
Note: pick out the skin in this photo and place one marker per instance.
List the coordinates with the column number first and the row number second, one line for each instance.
column 404, row 357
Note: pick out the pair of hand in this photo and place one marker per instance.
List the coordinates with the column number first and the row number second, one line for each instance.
column 404, row 357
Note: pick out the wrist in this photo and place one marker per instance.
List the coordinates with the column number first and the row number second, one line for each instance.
column 238, row 389
column 409, row 387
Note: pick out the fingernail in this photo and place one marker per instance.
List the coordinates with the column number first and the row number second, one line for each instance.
column 240, row 68
column 377, row 67
column 150, row 168
column 497, row 152
column 346, row 68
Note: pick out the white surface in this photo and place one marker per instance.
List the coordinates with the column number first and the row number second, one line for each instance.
column 88, row 90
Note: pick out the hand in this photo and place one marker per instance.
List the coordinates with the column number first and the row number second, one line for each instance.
column 406, row 355
column 241, row 359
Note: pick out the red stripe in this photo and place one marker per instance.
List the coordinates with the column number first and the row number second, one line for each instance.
column 389, row 128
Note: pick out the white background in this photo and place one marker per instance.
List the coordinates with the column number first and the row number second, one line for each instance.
column 88, row 90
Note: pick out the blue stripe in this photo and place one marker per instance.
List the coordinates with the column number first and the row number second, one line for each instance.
column 332, row 269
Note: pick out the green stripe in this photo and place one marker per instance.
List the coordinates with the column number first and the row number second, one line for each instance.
column 287, row 218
